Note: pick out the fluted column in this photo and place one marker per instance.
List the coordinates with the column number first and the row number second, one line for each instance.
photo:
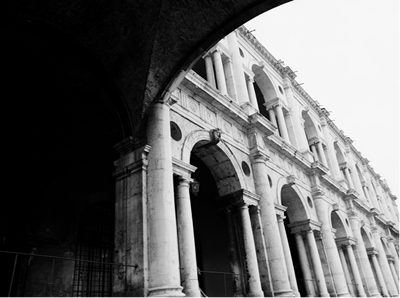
column 252, row 92
column 280, row 280
column 240, row 82
column 164, row 275
column 288, row 257
column 372, row 252
column 187, row 249
column 316, row 261
column 210, row 70
column 356, row 272
column 219, row 72
column 305, row 265
column 384, row 263
column 346, row 270
column 282, row 123
column 363, row 257
column 251, row 257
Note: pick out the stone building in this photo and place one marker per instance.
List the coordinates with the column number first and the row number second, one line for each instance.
column 229, row 181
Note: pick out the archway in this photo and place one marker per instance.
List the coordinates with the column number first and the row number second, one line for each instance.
column 217, row 235
column 296, row 215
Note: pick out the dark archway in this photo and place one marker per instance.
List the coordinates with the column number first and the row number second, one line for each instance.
column 213, row 229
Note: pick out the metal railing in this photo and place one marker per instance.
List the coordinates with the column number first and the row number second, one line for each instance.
column 25, row 259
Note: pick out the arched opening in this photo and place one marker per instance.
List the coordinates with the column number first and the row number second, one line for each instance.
column 296, row 216
column 217, row 235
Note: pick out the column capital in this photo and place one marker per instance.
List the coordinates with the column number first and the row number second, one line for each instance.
column 238, row 198
column 372, row 251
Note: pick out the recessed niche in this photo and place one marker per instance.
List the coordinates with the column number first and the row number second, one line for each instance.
column 309, row 202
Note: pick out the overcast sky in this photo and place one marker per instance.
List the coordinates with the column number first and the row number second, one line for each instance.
column 346, row 53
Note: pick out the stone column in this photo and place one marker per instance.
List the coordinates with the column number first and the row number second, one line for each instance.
column 234, row 263
column 251, row 257
column 230, row 79
column 349, row 180
column 394, row 273
column 372, row 252
column 392, row 249
column 384, row 263
column 354, row 269
column 346, row 271
column 314, row 151
column 219, row 72
column 282, row 123
column 330, row 245
column 210, row 70
column 322, row 154
column 363, row 257
column 302, row 143
column 164, row 275
column 288, row 257
column 238, row 72
column 187, row 249
column 272, row 116
column 356, row 179
column 331, row 150
column 252, row 93
column 305, row 265
column 280, row 280
column 316, row 261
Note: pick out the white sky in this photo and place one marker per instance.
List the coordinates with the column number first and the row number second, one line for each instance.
column 346, row 53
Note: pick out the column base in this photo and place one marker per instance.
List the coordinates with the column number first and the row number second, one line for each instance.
column 284, row 293
column 344, row 294
column 255, row 294
column 166, row 292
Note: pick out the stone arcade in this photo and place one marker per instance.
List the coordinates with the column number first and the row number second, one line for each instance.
column 242, row 185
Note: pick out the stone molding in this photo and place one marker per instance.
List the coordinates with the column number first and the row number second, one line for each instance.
column 183, row 169
column 238, row 198
column 305, row 225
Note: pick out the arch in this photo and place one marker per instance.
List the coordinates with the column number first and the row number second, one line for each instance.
column 337, row 223
column 366, row 237
column 309, row 126
column 291, row 197
column 218, row 157
column 339, row 153
column 266, row 85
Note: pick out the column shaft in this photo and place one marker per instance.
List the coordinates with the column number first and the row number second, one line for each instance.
column 252, row 93
column 210, row 70
column 395, row 277
column 305, row 265
column 322, row 154
column 280, row 280
column 331, row 151
column 253, row 277
column 288, row 257
column 314, row 151
column 379, row 275
column 394, row 253
column 363, row 258
column 219, row 71
column 164, row 275
column 384, row 264
column 346, row 271
column 238, row 72
column 272, row 117
column 316, row 261
column 356, row 272
column 349, row 180
column 187, row 247
column 282, row 123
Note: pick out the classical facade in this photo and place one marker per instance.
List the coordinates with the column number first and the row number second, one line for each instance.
column 249, row 189
column 128, row 180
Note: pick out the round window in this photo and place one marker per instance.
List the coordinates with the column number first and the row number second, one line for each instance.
column 176, row 133
column 270, row 181
column 280, row 89
column 241, row 52
column 246, row 168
